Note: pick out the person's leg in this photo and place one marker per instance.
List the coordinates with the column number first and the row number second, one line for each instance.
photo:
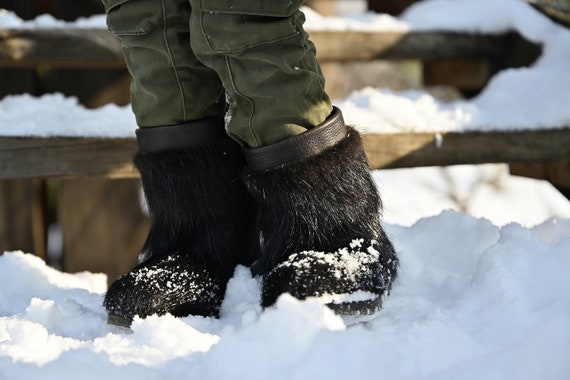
column 320, row 220
column 169, row 85
column 319, row 224
column 190, row 170
column 201, row 226
column 274, row 85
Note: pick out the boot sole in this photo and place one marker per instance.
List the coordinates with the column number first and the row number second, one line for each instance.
column 119, row 321
column 364, row 307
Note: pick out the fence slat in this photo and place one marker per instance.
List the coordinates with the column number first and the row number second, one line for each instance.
column 35, row 157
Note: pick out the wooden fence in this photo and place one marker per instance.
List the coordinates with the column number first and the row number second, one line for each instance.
column 98, row 206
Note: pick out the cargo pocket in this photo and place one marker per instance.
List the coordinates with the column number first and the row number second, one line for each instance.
column 131, row 17
column 232, row 25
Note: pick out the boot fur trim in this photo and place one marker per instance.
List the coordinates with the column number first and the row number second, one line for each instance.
column 299, row 148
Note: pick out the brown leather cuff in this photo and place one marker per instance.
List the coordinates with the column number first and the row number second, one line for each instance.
column 181, row 136
column 300, row 147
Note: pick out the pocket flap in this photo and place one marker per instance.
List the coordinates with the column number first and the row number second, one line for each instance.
column 110, row 4
column 270, row 8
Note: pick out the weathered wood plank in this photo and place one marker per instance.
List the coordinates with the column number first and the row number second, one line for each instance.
column 32, row 157
column 356, row 45
column 75, row 47
column 392, row 7
column 458, row 73
column 103, row 225
column 65, row 47
column 23, row 224
column 35, row 157
column 453, row 148
column 555, row 172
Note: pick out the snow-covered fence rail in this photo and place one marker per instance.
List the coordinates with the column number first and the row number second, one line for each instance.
column 38, row 157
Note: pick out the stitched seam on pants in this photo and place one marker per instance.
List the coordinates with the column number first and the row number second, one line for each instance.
column 171, row 59
column 250, row 46
column 250, row 119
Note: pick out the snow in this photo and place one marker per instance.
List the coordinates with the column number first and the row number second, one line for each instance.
column 472, row 300
column 57, row 115
column 482, row 292
column 485, row 191
column 9, row 19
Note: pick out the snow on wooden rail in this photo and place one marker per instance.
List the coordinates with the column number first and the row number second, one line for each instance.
column 37, row 157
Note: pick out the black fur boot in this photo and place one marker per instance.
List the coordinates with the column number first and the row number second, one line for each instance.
column 319, row 223
column 201, row 222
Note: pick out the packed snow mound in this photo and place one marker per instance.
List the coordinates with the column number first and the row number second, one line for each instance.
column 472, row 301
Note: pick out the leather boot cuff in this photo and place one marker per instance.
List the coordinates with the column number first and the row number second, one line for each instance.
column 300, row 147
column 181, row 136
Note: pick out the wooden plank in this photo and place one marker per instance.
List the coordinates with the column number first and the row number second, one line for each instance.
column 555, row 172
column 34, row 157
column 85, row 48
column 453, row 148
column 18, row 81
column 323, row 7
column 355, row 45
column 39, row 218
column 392, row 7
column 103, row 225
column 457, row 72
column 16, row 217
column 342, row 78
column 72, row 10
column 65, row 47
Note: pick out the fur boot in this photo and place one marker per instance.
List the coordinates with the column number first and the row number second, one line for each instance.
column 201, row 222
column 319, row 222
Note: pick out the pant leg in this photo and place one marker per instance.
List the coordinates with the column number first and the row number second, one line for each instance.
column 170, row 85
column 274, row 85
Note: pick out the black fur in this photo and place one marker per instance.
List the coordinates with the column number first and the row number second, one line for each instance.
column 201, row 229
column 321, row 204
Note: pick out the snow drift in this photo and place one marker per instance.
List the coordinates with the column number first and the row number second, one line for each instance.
column 473, row 301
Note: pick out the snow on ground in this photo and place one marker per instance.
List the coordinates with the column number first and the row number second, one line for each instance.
column 473, row 301
column 476, row 298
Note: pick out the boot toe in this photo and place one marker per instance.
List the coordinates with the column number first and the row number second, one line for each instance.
column 351, row 280
column 174, row 284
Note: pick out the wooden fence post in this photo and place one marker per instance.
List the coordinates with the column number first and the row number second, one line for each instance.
column 103, row 225
column 23, row 216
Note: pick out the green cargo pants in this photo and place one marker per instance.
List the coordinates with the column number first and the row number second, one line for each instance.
column 249, row 60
